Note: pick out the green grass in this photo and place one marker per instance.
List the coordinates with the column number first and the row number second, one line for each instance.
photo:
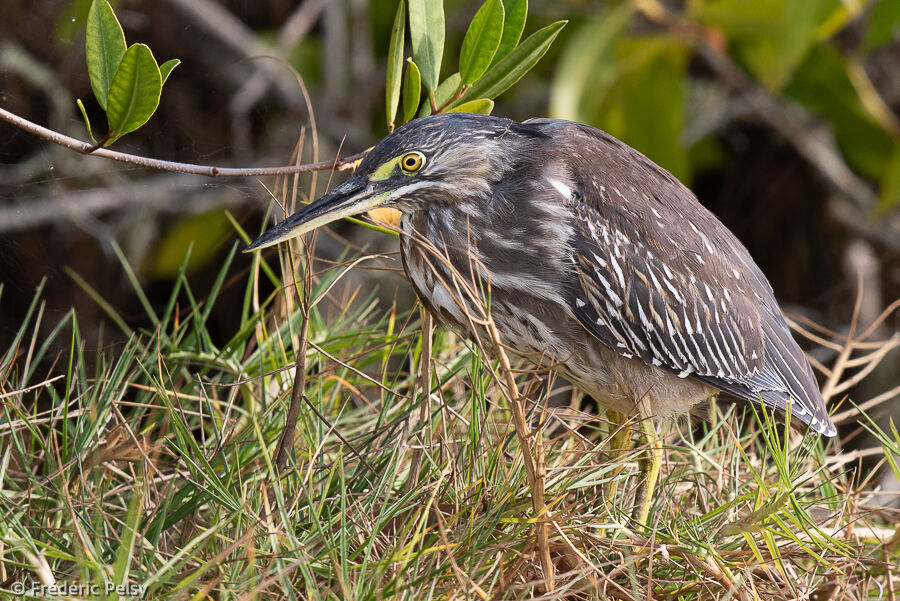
column 153, row 466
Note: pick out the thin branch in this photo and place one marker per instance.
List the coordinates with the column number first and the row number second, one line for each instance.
column 285, row 446
column 535, row 465
column 881, row 398
column 209, row 171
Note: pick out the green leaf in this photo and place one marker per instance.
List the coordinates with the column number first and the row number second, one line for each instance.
column 426, row 30
column 395, row 64
column 447, row 90
column 588, row 64
column 103, row 48
column 443, row 95
column 772, row 37
column 603, row 76
column 166, row 69
column 884, row 24
column 481, row 41
column 412, row 90
column 511, row 69
column 513, row 26
column 652, row 123
column 823, row 84
column 482, row 106
column 134, row 91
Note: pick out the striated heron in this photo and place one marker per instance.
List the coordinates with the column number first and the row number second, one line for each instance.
column 595, row 258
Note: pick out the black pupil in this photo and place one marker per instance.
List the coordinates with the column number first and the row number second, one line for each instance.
column 411, row 162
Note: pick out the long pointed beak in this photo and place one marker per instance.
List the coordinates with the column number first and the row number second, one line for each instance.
column 353, row 197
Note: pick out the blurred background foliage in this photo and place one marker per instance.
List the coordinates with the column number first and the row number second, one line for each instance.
column 781, row 114
column 637, row 84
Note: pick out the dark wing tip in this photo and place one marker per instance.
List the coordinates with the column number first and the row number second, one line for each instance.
column 823, row 425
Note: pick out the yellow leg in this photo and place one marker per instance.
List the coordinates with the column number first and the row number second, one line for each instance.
column 648, row 464
column 619, row 442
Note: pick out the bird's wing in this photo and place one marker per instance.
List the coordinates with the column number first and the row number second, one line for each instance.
column 656, row 276
column 642, row 303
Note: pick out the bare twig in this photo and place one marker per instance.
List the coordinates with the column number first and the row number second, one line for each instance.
column 872, row 360
column 873, row 402
column 26, row 390
column 423, row 383
column 305, row 251
column 286, row 441
column 209, row 171
column 535, row 465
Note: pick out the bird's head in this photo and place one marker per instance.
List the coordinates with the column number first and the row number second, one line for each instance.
column 433, row 161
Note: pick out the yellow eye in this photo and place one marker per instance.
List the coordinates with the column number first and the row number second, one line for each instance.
column 412, row 161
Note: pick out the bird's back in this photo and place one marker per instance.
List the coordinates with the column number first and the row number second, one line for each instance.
column 658, row 277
